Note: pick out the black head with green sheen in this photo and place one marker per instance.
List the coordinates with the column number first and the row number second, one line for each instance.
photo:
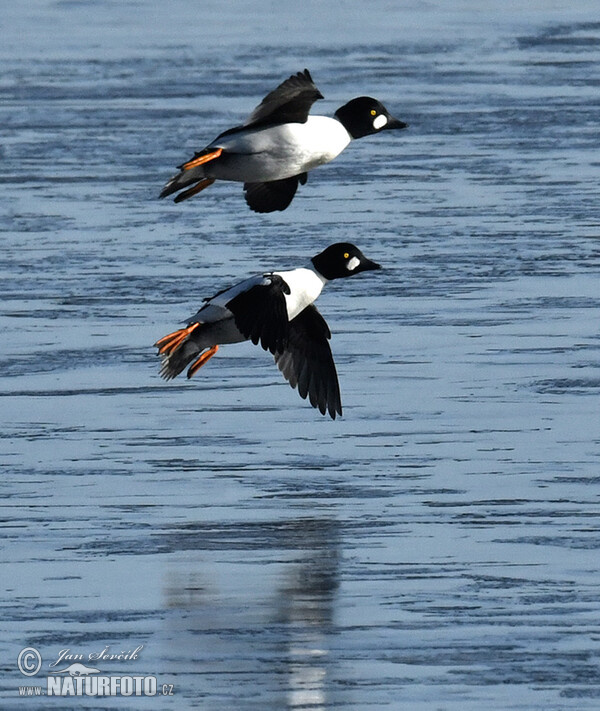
column 342, row 260
column 365, row 116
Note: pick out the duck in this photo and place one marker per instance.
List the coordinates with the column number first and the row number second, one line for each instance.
column 276, row 310
column 274, row 150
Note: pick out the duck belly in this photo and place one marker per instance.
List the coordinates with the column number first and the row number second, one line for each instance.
column 278, row 152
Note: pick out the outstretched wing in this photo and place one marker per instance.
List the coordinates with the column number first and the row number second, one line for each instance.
column 290, row 102
column 307, row 363
column 260, row 313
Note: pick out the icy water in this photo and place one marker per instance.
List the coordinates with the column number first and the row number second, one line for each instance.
column 434, row 549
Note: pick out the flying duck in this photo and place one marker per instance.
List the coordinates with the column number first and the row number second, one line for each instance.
column 279, row 143
column 274, row 309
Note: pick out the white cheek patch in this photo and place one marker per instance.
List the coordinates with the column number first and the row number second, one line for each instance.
column 379, row 122
column 353, row 263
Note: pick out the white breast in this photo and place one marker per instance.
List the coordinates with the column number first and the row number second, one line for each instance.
column 305, row 286
column 320, row 139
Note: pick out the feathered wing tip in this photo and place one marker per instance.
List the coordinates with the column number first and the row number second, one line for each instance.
column 320, row 387
column 306, row 362
column 290, row 102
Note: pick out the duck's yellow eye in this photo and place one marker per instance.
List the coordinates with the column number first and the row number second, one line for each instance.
column 346, row 255
column 373, row 112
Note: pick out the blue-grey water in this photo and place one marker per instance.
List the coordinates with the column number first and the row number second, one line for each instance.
column 434, row 549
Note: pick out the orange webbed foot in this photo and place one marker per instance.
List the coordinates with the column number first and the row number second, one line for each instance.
column 201, row 360
column 169, row 343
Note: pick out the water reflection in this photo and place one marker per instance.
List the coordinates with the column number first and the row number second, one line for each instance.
column 306, row 600
column 268, row 623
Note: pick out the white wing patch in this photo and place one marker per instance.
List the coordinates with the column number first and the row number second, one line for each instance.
column 379, row 122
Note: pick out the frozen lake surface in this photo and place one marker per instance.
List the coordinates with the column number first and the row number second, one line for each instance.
column 434, row 549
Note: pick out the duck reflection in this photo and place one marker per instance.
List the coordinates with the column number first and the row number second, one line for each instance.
column 305, row 601
column 256, row 616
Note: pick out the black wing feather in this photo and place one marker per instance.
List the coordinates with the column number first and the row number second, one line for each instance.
column 290, row 102
column 272, row 195
column 307, row 363
column 260, row 313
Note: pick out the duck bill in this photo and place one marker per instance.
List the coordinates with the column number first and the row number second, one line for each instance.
column 394, row 123
column 367, row 265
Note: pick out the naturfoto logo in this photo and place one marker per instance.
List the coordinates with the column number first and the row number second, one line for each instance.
column 71, row 674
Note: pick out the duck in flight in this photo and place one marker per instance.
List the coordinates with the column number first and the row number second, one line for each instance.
column 276, row 310
column 279, row 143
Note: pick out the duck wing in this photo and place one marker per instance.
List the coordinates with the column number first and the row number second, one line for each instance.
column 306, row 362
column 274, row 194
column 260, row 313
column 290, row 102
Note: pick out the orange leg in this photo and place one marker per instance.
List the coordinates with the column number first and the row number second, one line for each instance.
column 167, row 344
column 195, row 189
column 199, row 362
column 199, row 160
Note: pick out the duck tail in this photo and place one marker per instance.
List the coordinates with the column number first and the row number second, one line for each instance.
column 180, row 348
column 191, row 172
column 178, row 182
column 176, row 350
